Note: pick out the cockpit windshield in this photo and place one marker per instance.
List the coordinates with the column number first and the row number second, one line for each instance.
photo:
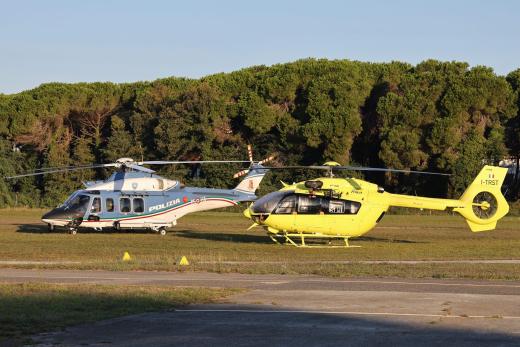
column 77, row 202
column 70, row 198
column 267, row 203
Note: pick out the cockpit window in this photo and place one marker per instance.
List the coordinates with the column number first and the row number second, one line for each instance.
column 287, row 205
column 70, row 198
column 267, row 203
column 78, row 202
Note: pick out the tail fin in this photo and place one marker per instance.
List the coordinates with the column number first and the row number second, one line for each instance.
column 251, row 182
column 483, row 201
column 255, row 174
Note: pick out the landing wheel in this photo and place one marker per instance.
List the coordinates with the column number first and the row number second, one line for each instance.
column 50, row 227
column 73, row 231
column 162, row 231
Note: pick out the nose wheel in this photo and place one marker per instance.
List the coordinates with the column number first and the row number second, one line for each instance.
column 73, row 227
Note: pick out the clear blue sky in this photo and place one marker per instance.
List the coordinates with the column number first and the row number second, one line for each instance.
column 125, row 41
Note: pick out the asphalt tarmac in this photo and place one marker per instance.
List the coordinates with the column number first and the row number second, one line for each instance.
column 282, row 310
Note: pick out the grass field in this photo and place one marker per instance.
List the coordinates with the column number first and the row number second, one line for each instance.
column 219, row 242
column 31, row 308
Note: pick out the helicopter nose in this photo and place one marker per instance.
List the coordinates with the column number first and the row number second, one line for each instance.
column 53, row 214
column 56, row 216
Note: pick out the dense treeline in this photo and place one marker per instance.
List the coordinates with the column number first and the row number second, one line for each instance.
column 437, row 116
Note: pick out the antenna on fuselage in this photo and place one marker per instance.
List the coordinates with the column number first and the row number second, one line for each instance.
column 330, row 165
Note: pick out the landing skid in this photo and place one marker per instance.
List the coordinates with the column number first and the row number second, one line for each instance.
column 298, row 240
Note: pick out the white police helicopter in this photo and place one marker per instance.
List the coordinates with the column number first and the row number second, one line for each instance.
column 134, row 197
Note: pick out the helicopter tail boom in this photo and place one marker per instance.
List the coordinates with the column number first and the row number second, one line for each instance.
column 482, row 204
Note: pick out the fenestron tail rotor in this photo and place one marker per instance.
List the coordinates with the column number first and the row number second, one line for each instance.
column 484, row 205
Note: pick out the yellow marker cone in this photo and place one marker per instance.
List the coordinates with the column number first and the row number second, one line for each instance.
column 126, row 257
column 184, row 261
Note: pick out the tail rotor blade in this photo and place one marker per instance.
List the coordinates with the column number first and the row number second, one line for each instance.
column 266, row 160
column 250, row 153
column 241, row 173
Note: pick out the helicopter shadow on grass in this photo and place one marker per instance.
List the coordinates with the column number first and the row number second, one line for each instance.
column 383, row 239
column 186, row 233
column 42, row 229
column 248, row 238
column 225, row 237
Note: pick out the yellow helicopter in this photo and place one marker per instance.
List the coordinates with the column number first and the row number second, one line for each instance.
column 329, row 208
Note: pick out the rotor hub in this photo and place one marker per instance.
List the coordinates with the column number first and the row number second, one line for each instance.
column 124, row 161
column 485, row 205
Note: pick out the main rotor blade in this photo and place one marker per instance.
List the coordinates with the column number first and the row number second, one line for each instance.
column 168, row 162
column 376, row 169
column 352, row 168
column 139, row 168
column 62, row 170
column 64, row 167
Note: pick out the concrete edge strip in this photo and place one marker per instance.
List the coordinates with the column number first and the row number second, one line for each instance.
column 146, row 279
column 347, row 313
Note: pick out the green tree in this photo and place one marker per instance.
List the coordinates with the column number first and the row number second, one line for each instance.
column 120, row 144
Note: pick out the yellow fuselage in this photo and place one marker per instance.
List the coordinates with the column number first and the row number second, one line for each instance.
column 351, row 207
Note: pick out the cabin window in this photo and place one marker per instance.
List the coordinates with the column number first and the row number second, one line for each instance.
column 342, row 207
column 287, row 205
column 109, row 202
column 336, row 207
column 124, row 205
column 96, row 206
column 308, row 204
column 138, row 205
column 352, row 207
